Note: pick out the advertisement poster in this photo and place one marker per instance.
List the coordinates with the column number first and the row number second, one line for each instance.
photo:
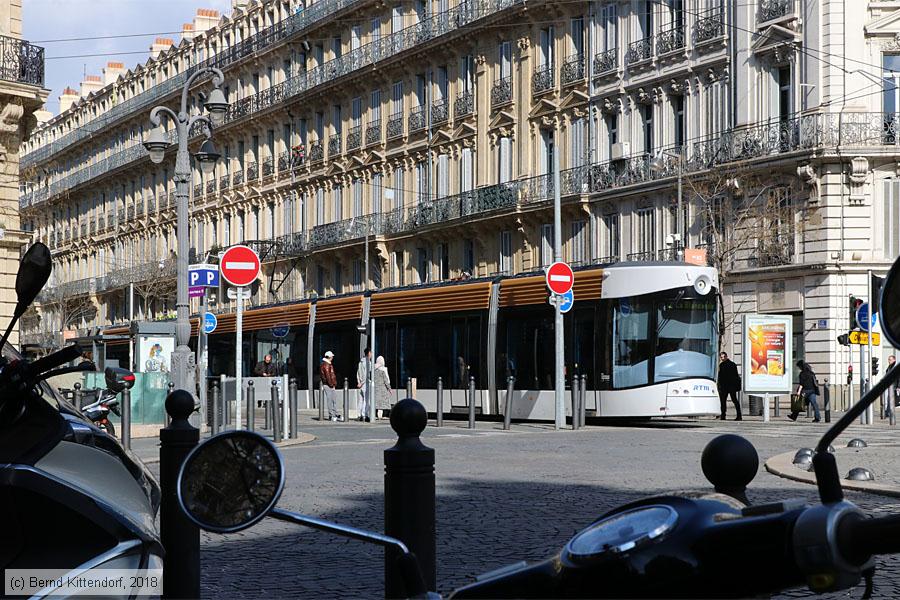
column 767, row 353
column 154, row 353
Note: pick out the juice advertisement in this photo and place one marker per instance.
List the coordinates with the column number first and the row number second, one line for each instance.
column 767, row 362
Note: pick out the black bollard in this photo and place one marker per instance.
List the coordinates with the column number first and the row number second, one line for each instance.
column 409, row 497
column 251, row 406
column 277, row 432
column 321, row 402
column 78, row 396
column 409, row 393
column 507, row 410
column 171, row 388
column 267, row 417
column 125, row 423
column 826, row 401
column 179, row 536
column 439, row 409
column 292, row 405
column 347, row 401
column 471, row 402
column 216, row 415
column 574, row 395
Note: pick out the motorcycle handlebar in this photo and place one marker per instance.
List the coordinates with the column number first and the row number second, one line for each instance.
column 860, row 538
column 52, row 361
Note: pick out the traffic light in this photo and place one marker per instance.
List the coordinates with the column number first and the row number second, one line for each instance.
column 849, row 374
column 874, row 365
column 843, row 339
column 855, row 303
column 877, row 284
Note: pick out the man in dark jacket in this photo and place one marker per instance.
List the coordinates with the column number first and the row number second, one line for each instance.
column 266, row 368
column 729, row 383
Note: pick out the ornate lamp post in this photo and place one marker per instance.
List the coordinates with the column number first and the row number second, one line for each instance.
column 157, row 143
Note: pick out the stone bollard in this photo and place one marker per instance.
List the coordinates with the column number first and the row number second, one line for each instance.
column 321, row 401
column 471, row 402
column 216, row 415
column 347, row 400
column 409, row 497
column 179, row 535
column 78, row 396
column 292, row 395
column 276, row 413
column 251, row 406
column 507, row 410
column 439, row 409
column 125, row 423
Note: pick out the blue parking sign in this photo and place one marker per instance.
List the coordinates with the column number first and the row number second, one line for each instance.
column 210, row 322
column 203, row 276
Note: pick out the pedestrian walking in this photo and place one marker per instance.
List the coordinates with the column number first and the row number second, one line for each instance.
column 363, row 372
column 808, row 389
column 729, row 383
column 329, row 382
column 383, row 391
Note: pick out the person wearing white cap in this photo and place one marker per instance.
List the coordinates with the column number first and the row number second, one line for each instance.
column 329, row 382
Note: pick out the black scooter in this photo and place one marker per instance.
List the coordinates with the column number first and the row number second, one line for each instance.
column 117, row 381
column 678, row 546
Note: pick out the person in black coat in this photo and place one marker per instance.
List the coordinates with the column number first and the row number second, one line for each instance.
column 729, row 383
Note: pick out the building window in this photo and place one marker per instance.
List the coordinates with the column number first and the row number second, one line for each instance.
column 579, row 238
column 548, row 147
column 320, row 206
column 398, row 188
column 504, row 160
column 466, row 175
column 377, row 192
column 678, row 105
column 645, row 17
column 505, row 66
column 576, row 143
column 506, row 252
column 646, row 232
column 357, row 197
column 546, row 244
column 469, row 257
column 358, row 268
column 444, row 257
column 577, row 33
column 397, row 277
column 611, row 248
column 443, row 175
column 338, row 204
column 397, row 98
column 422, row 264
column 546, row 55
column 891, row 218
column 338, row 279
column 647, row 126
column 612, row 130
column 320, row 280
column 421, row 182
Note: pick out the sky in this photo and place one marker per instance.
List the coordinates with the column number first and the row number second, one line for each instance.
column 46, row 20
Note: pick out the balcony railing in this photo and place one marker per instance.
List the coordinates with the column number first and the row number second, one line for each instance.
column 139, row 208
column 373, row 132
column 440, row 111
column 223, row 182
column 639, row 51
column 252, row 171
column 284, row 161
column 237, row 178
column 334, row 146
column 316, row 151
column 770, row 10
column 501, row 91
column 775, row 251
column 572, row 69
column 465, row 104
column 395, row 126
column 154, row 270
column 268, row 167
column 417, row 119
column 198, row 190
column 671, row 40
column 21, row 62
column 211, row 186
column 542, row 79
column 709, row 27
column 354, row 137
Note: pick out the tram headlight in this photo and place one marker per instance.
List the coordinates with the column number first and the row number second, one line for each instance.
column 703, row 285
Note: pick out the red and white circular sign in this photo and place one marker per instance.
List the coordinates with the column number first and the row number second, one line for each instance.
column 560, row 278
column 239, row 266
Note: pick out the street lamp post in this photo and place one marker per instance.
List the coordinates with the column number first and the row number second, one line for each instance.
column 156, row 143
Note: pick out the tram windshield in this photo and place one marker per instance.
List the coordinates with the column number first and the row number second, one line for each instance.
column 679, row 334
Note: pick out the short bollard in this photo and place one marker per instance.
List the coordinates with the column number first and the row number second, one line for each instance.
column 347, row 400
column 776, row 406
column 126, row 419
column 471, row 402
column 409, row 393
column 582, row 409
column 292, row 403
column 826, row 401
column 78, row 396
column 507, row 408
column 439, row 409
column 171, row 388
column 251, row 406
column 574, row 393
column 216, row 414
column 321, row 401
column 179, row 535
column 267, row 417
column 409, row 497
column 276, row 413
column 225, row 411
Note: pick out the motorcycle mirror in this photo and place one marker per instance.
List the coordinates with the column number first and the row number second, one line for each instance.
column 118, row 379
column 34, row 271
column 230, row 481
column 890, row 306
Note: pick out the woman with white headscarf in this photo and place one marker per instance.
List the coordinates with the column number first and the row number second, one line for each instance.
column 382, row 387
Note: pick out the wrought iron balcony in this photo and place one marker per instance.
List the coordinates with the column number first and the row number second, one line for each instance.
column 268, row 167
column 710, row 26
column 769, row 10
column 84, row 230
column 417, row 119
column 395, row 126
column 606, row 61
column 237, row 178
column 161, row 201
column 671, row 40
column 316, row 151
column 140, row 208
column 572, row 69
column 373, row 132
column 94, row 228
column 542, row 79
column 21, row 62
column 121, row 215
column 775, row 251
column 501, row 91
column 440, row 112
column 639, row 51
column 354, row 137
column 198, row 190
column 223, row 182
column 252, row 171
column 211, row 186
column 334, row 146
column 284, row 161
column 465, row 104
column 643, row 256
column 101, row 223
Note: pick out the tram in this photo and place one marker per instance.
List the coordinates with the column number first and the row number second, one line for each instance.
column 643, row 334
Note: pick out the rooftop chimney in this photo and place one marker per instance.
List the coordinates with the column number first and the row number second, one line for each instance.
column 206, row 18
column 187, row 31
column 67, row 99
column 91, row 84
column 112, row 72
column 159, row 45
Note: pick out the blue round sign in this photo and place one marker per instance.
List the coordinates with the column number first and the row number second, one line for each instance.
column 566, row 301
column 862, row 317
column 281, row 330
column 210, row 322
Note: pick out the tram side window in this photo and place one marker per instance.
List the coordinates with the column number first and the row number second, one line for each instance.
column 631, row 343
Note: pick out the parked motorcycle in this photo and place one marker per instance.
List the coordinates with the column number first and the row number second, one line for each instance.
column 73, row 499
column 676, row 546
column 117, row 381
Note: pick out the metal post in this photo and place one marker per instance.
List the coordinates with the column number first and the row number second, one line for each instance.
column 251, row 406
column 370, row 375
column 125, row 423
column 862, row 382
column 216, row 415
column 179, row 535
column 582, row 415
column 170, row 387
column 826, row 402
column 295, row 426
column 225, row 407
column 471, row 402
column 267, row 416
column 574, row 395
column 284, row 399
column 321, row 401
column 409, row 393
column 766, row 408
column 439, row 409
column 870, row 353
column 202, row 354
column 238, row 355
column 130, row 321
column 507, row 409
column 346, row 400
column 276, row 412
column 409, row 496
column 775, row 405
column 78, row 396
column 560, row 384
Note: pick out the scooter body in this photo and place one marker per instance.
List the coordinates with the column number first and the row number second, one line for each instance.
column 98, row 411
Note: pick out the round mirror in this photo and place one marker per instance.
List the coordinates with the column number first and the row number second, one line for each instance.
column 890, row 306
column 231, row 481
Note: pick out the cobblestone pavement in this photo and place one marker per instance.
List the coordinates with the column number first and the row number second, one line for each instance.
column 502, row 497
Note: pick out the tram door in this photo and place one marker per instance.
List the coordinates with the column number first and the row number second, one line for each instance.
column 465, row 336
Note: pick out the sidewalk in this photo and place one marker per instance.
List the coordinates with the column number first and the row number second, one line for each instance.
column 147, row 449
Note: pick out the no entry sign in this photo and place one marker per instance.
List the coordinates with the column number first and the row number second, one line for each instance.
column 239, row 266
column 560, row 278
